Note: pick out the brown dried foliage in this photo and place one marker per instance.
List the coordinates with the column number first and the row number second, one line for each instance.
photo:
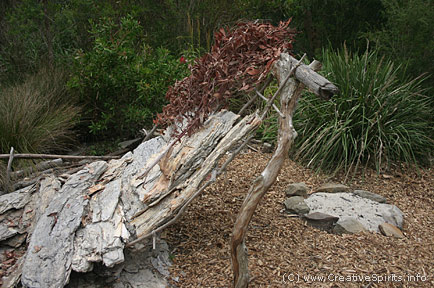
column 239, row 60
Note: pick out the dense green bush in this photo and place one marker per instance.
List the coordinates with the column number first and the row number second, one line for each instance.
column 377, row 117
column 332, row 21
column 37, row 115
column 121, row 81
column 408, row 35
column 35, row 33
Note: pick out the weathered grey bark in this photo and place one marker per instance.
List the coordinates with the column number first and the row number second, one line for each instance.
column 312, row 80
column 49, row 255
column 288, row 101
column 102, row 208
column 190, row 164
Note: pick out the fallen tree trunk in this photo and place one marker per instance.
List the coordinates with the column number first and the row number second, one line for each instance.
column 104, row 206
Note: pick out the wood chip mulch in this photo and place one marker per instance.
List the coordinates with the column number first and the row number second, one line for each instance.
column 285, row 252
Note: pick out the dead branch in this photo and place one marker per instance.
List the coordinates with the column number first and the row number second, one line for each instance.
column 289, row 97
column 51, row 156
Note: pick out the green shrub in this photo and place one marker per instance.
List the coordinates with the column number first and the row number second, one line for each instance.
column 377, row 117
column 121, row 81
column 408, row 35
column 38, row 115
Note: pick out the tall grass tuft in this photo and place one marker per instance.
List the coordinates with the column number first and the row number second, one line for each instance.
column 37, row 115
column 377, row 118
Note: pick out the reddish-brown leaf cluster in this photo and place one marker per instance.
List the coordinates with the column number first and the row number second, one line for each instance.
column 239, row 60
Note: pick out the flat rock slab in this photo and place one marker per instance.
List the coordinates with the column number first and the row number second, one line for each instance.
column 347, row 205
column 17, row 199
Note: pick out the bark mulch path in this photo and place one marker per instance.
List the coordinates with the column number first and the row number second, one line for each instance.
column 284, row 251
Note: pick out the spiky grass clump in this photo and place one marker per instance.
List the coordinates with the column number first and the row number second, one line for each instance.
column 37, row 115
column 377, row 117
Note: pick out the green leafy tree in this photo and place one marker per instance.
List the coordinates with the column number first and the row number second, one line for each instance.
column 332, row 21
column 408, row 35
column 121, row 81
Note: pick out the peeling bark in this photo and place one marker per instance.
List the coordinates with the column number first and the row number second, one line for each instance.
column 48, row 259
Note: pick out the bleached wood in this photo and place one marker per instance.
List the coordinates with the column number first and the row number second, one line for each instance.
column 290, row 92
column 52, row 156
column 47, row 262
column 204, row 160
column 313, row 81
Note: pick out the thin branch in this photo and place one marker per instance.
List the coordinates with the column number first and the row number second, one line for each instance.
column 273, row 105
column 9, row 168
column 267, row 82
column 150, row 133
column 52, row 156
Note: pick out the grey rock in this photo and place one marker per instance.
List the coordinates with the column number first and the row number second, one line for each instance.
column 320, row 220
column 394, row 216
column 296, row 205
column 48, row 188
column 390, row 230
column 348, row 226
column 333, row 188
column 370, row 195
column 267, row 148
column 296, row 189
column 347, row 205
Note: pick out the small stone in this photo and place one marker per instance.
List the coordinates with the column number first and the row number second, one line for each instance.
column 321, row 220
column 348, row 226
column 333, row 188
column 296, row 205
column 390, row 230
column 267, row 148
column 370, row 196
column 296, row 189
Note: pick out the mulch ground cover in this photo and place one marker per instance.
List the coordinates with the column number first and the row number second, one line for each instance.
column 285, row 252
